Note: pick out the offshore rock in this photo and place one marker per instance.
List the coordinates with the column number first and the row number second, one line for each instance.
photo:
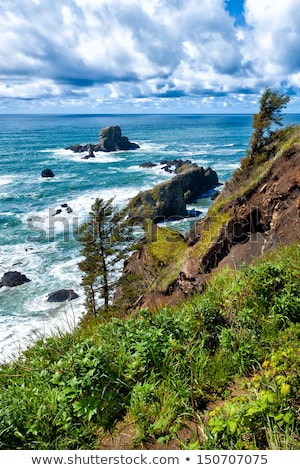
column 62, row 295
column 13, row 279
column 110, row 140
column 48, row 173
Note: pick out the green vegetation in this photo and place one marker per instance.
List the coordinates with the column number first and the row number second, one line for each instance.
column 104, row 239
column 270, row 114
column 210, row 232
column 167, row 251
column 228, row 358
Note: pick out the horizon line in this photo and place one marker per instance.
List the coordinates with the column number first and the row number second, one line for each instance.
column 139, row 114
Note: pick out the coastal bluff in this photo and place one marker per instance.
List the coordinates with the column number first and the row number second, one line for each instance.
column 257, row 211
column 110, row 140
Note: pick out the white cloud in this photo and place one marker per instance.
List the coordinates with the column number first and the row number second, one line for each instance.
column 144, row 50
column 273, row 40
column 36, row 89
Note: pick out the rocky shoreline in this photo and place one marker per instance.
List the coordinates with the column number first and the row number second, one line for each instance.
column 165, row 201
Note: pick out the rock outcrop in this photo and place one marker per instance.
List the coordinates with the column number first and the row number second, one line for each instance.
column 110, row 140
column 47, row 173
column 169, row 199
column 13, row 279
column 62, row 295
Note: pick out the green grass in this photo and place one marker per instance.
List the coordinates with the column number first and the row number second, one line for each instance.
column 160, row 370
column 209, row 233
column 167, row 252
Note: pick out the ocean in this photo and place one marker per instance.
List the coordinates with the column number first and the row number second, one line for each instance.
column 43, row 247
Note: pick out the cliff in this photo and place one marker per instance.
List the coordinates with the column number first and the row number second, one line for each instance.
column 257, row 211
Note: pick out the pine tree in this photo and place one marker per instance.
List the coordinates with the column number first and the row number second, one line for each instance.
column 105, row 241
column 270, row 113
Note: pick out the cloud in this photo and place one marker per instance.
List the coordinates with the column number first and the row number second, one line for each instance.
column 106, row 51
column 273, row 37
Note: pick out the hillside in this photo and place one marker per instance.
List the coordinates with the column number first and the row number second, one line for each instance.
column 257, row 211
column 207, row 355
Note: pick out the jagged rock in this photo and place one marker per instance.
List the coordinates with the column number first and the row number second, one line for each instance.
column 90, row 149
column 13, row 279
column 111, row 139
column 167, row 168
column 168, row 199
column 177, row 166
column 183, row 166
column 62, row 295
column 48, row 173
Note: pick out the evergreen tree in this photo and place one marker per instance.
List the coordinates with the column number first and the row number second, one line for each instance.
column 270, row 113
column 105, row 241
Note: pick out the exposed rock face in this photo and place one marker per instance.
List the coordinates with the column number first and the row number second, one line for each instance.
column 48, row 173
column 13, row 279
column 169, row 199
column 62, row 295
column 110, row 140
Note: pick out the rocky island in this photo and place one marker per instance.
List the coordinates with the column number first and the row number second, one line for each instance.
column 110, row 140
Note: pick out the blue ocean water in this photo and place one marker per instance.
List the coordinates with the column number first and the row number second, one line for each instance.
column 43, row 247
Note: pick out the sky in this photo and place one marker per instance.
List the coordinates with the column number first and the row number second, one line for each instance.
column 147, row 56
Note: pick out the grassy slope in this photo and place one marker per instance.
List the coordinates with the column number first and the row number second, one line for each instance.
column 164, row 369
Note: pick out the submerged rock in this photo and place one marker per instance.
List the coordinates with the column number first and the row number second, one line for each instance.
column 148, row 165
column 62, row 295
column 13, row 279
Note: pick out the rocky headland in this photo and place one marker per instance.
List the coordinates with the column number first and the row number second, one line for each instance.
column 257, row 210
column 110, row 140
column 169, row 199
